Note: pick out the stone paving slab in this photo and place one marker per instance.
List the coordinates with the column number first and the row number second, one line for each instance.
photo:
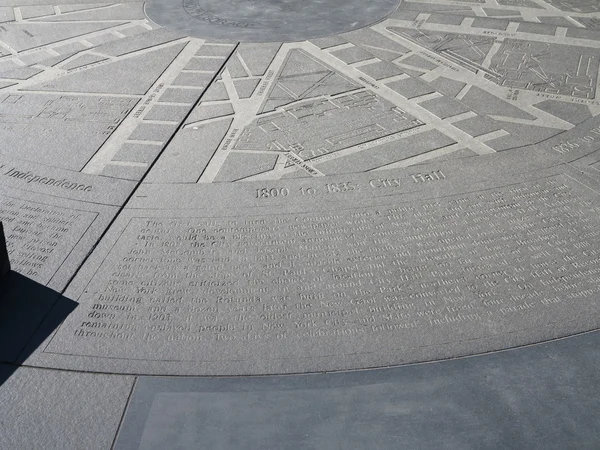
column 539, row 397
column 49, row 409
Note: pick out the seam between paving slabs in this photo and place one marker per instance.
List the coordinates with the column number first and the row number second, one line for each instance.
column 127, row 403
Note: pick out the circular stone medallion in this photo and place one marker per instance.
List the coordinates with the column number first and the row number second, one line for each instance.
column 267, row 20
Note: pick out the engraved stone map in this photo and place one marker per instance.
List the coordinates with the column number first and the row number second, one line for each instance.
column 252, row 187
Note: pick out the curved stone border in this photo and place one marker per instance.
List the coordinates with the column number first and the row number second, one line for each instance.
column 267, row 20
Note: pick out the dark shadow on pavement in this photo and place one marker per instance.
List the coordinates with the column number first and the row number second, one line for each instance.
column 29, row 314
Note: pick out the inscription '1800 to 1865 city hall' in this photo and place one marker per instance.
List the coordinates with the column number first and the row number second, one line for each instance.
column 450, row 269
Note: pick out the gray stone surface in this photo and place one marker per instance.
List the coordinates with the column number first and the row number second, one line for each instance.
column 70, row 128
column 444, row 107
column 352, row 54
column 205, row 112
column 116, row 77
column 143, row 41
column 380, row 70
column 49, row 409
column 476, row 126
column 185, row 96
column 123, row 11
column 411, row 87
column 422, row 186
column 31, row 35
column 447, row 86
column 573, row 113
column 184, row 160
column 82, row 61
column 535, row 398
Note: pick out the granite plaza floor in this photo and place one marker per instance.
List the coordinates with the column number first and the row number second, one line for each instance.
column 274, row 224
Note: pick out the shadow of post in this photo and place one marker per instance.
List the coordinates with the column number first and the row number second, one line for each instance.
column 29, row 314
